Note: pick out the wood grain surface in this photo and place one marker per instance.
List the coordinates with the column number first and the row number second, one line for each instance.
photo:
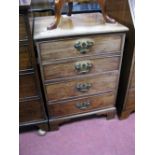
column 67, row 69
column 27, row 86
column 22, row 28
column 70, row 107
column 30, row 111
column 130, row 102
column 77, row 24
column 132, row 83
column 24, row 58
column 64, row 48
column 68, row 89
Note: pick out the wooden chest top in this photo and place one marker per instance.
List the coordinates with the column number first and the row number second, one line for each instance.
column 76, row 25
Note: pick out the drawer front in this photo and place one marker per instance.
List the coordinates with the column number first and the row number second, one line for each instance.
column 22, row 28
column 24, row 58
column 30, row 111
column 80, row 67
column 81, row 87
column 81, row 105
column 27, row 86
column 130, row 103
column 79, row 47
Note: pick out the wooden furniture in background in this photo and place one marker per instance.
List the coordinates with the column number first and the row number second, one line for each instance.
column 80, row 65
column 123, row 12
column 31, row 106
column 129, row 100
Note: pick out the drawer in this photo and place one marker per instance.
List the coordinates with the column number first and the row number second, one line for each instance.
column 24, row 58
column 81, row 105
column 81, row 87
column 83, row 66
column 130, row 99
column 79, row 47
column 30, row 111
column 27, row 86
column 22, row 28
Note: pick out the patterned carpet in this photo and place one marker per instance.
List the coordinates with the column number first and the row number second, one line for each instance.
column 95, row 136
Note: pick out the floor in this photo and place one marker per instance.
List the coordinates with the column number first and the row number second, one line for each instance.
column 95, row 136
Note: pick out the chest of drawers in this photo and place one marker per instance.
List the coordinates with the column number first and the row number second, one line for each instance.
column 80, row 65
column 31, row 106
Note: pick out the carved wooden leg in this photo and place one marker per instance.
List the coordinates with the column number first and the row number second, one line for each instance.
column 70, row 7
column 102, row 4
column 58, row 7
column 111, row 115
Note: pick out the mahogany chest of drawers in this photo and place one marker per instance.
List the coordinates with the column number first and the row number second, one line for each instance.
column 31, row 107
column 80, row 65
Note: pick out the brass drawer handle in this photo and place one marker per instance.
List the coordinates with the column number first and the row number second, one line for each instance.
column 83, row 87
column 84, row 45
column 83, row 105
column 83, row 66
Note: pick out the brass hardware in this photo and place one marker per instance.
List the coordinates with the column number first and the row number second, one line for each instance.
column 84, row 45
column 83, row 87
column 83, row 66
column 83, row 105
